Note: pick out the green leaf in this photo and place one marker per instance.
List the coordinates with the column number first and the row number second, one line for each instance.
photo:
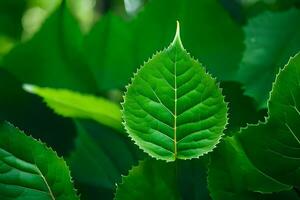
column 160, row 180
column 30, row 114
column 72, row 104
column 151, row 179
column 271, row 38
column 224, row 37
column 53, row 56
column 277, row 147
column 115, row 42
column 173, row 108
column 30, row 170
column 11, row 17
column 192, row 178
column 263, row 158
column 233, row 176
column 109, row 52
column 94, row 162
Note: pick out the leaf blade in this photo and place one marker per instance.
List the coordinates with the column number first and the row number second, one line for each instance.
column 73, row 104
column 159, row 110
column 31, row 170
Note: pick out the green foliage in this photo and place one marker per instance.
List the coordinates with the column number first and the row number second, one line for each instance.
column 238, row 178
column 151, row 179
column 173, row 108
column 251, row 151
column 160, row 180
column 76, row 105
column 30, row 170
column 74, row 58
column 271, row 39
column 136, row 40
column 52, row 54
column 94, row 162
column 10, row 17
column 277, row 141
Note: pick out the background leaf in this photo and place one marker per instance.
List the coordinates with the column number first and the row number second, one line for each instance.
column 242, row 108
column 151, row 179
column 109, row 53
column 52, row 57
column 271, row 39
column 116, row 47
column 101, row 155
column 72, row 104
column 31, row 115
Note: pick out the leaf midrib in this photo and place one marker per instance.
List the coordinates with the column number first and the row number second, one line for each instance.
column 175, row 105
column 45, row 181
column 38, row 173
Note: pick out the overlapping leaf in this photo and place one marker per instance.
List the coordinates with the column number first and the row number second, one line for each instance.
column 173, row 108
column 233, row 176
column 277, row 142
column 29, row 170
column 264, row 158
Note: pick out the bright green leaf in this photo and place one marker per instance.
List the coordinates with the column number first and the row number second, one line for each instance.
column 30, row 170
column 271, row 39
column 76, row 105
column 173, row 108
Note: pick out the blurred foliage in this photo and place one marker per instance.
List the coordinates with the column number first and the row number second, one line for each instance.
column 94, row 46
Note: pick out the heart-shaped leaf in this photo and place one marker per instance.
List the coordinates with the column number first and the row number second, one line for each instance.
column 173, row 108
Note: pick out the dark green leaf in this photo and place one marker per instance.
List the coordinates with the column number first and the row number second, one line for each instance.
column 149, row 180
column 30, row 170
column 52, row 57
column 101, row 155
column 115, row 48
column 271, row 39
column 233, row 176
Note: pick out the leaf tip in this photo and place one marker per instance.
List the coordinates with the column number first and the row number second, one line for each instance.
column 29, row 88
column 177, row 39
